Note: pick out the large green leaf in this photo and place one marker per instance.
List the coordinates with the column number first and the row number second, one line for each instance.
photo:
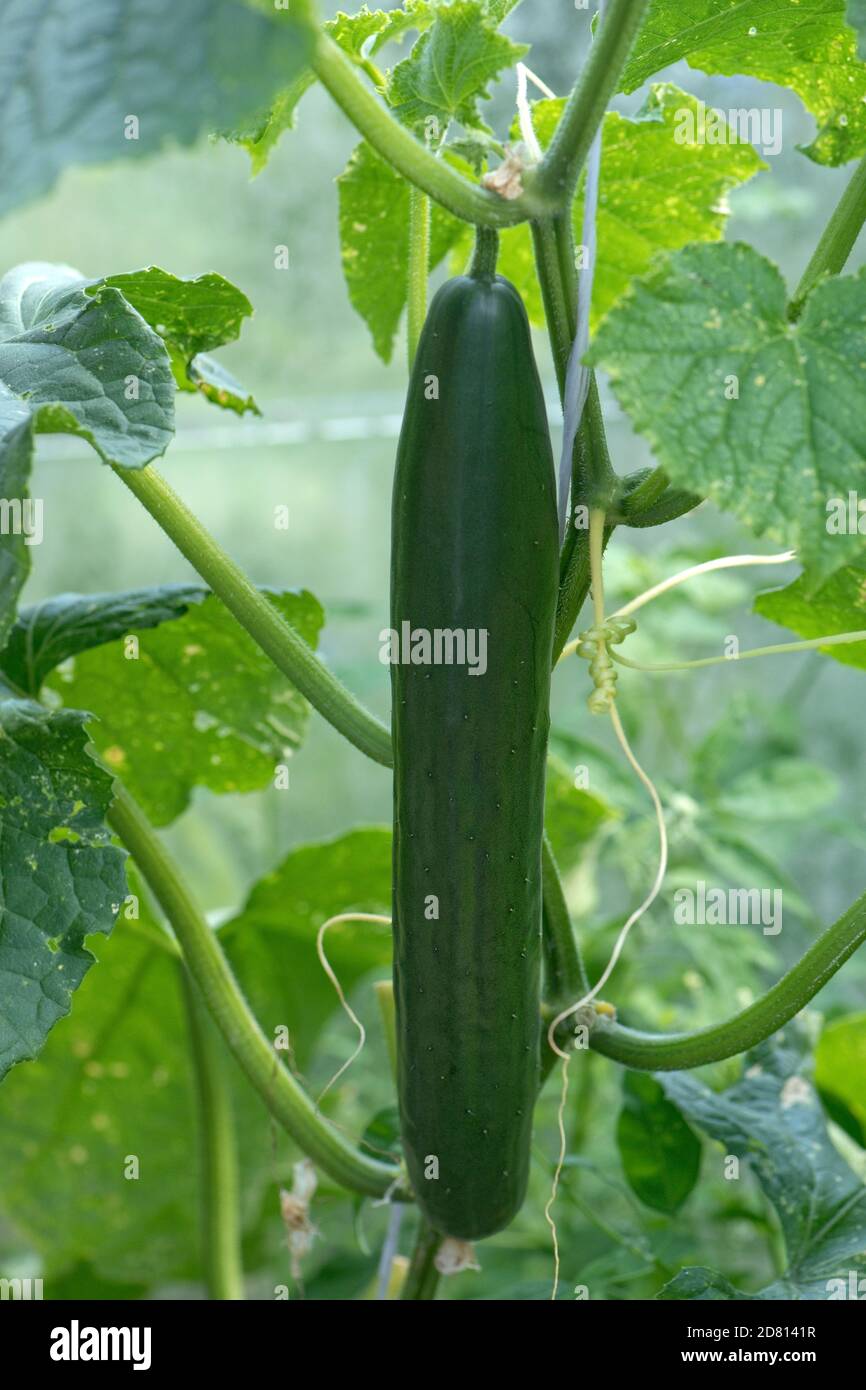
column 374, row 237
column 802, row 44
column 765, row 417
column 450, row 67
column 195, row 704
column 571, row 815
column 47, row 634
column 272, row 940
column 73, row 78
column 192, row 316
column 821, row 610
column 81, row 363
column 353, row 32
column 840, row 1066
column 772, row 1120
column 661, row 1157
column 60, row 877
column 114, row 1081
column 21, row 522
column 658, row 192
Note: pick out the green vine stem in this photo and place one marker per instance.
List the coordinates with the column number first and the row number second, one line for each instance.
column 210, row 970
column 556, row 177
column 485, row 254
column 422, row 1276
column 219, row 1183
column 419, row 267
column 681, row 1051
column 565, row 975
column 837, row 240
column 288, row 651
column 396, row 144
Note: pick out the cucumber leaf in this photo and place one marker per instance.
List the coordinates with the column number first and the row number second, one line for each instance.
column 839, row 605
column 192, row 316
column 661, row 1157
column 840, row 1065
column 61, row 879
column 114, row 1080
column 765, row 417
column 374, row 237
column 134, row 75
column 21, row 521
column 193, row 702
column 82, row 363
column 368, row 28
column 805, row 45
column 273, row 937
column 657, row 193
column 451, row 66
column 771, row 1119
column 48, row 633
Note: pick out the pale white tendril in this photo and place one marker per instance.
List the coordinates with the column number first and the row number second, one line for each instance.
column 326, row 966
column 644, row 906
column 524, row 110
column 726, row 562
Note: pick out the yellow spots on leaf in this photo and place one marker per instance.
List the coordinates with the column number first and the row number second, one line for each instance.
column 94, row 1069
column 119, row 1070
column 78, row 1155
column 100, row 1122
column 114, row 756
column 193, row 649
column 760, row 380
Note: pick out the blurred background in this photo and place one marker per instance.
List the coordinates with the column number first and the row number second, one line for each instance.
column 325, row 446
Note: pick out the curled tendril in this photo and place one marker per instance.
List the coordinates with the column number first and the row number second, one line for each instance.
column 593, row 647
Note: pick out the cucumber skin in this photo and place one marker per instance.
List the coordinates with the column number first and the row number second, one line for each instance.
column 474, row 545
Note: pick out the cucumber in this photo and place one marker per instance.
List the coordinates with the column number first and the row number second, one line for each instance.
column 474, row 549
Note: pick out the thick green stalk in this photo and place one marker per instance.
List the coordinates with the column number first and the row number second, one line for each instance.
column 419, row 267
column 556, row 178
column 210, row 970
column 485, row 253
column 680, row 1051
column 422, row 1277
column 837, row 240
column 288, row 651
column 218, row 1172
column 559, row 311
column 564, row 975
column 396, row 144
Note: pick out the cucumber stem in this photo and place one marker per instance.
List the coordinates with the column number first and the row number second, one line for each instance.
column 485, row 255
column 422, row 1276
column 220, row 1194
column 419, row 267
column 396, row 144
column 564, row 974
column 210, row 970
column 285, row 647
column 555, row 179
column 837, row 240
column 775, row 1008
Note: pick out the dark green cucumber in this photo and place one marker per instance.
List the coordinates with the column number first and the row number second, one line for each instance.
column 474, row 548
